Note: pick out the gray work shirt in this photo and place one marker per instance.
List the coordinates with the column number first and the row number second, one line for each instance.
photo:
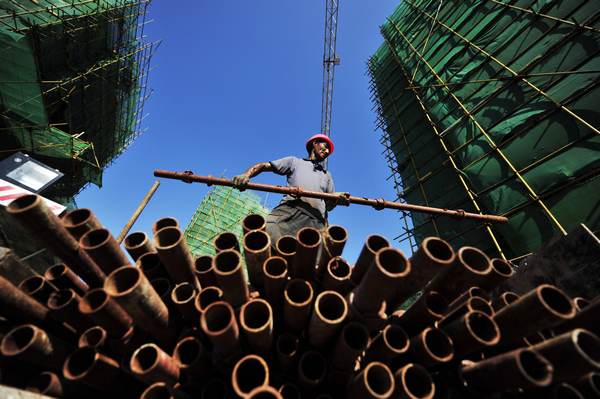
column 307, row 175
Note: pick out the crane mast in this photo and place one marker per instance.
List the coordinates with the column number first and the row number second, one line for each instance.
column 330, row 60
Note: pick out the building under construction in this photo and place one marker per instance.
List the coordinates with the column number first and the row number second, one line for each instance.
column 491, row 107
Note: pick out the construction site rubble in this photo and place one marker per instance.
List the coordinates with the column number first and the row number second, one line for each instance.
column 285, row 319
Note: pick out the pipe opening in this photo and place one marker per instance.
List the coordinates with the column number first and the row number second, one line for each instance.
column 286, row 245
column 438, row 344
column 56, row 271
column 135, row 239
column 94, row 300
column 298, row 291
column 162, row 286
column 218, row 317
column 534, row 366
column 122, row 280
column 474, row 259
column 287, row 344
column 337, row 233
column 227, row 261
column 375, row 243
column 207, row 296
column 77, row 217
column 42, row 382
column 94, row 337
column 480, row 304
column 508, row 297
column 183, row 292
column 80, row 362
column 275, row 267
column 94, row 238
column 392, row 261
column 188, row 351
column 556, row 300
column 436, row 303
column 158, row 391
column 250, row 373
column 23, row 202
column 502, row 267
column 165, row 222
column 145, row 358
column 395, row 337
column 589, row 344
column 289, row 391
column 339, row 268
column 379, row 379
column 17, row 340
column 225, row 241
column 203, row 264
column 254, row 222
column 256, row 314
column 312, row 366
column 439, row 250
column 331, row 306
column 60, row 298
column 168, row 237
column 256, row 240
column 264, row 392
column 418, row 381
column 309, row 237
column 356, row 336
column 32, row 284
column 566, row 391
column 149, row 262
column 580, row 303
column 483, row 327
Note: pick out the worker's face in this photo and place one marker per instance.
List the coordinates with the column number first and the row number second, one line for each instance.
column 321, row 150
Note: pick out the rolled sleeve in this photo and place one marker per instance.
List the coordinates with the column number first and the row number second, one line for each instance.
column 283, row 166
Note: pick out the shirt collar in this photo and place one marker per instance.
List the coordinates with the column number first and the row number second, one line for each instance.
column 317, row 165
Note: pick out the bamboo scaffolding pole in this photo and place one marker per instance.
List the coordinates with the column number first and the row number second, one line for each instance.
column 189, row 177
column 134, row 217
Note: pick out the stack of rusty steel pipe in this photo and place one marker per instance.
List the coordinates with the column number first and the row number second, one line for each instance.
column 285, row 319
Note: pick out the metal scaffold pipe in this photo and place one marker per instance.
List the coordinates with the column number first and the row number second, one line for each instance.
column 378, row 204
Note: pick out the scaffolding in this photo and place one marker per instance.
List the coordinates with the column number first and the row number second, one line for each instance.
column 73, row 83
column 491, row 106
column 222, row 209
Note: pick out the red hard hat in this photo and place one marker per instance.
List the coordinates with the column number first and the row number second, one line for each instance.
column 320, row 137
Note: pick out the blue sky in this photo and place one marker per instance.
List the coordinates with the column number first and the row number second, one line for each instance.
column 239, row 82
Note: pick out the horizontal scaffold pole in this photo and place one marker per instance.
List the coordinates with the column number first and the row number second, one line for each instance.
column 189, row 177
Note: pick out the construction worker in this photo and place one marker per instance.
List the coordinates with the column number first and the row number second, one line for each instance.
column 292, row 213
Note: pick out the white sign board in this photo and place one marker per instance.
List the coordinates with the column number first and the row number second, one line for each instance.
column 9, row 192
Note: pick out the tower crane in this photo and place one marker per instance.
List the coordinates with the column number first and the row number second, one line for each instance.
column 330, row 60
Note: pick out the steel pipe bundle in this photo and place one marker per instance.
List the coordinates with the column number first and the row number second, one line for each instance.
column 306, row 325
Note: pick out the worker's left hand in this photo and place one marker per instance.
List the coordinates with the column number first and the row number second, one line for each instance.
column 343, row 198
column 240, row 181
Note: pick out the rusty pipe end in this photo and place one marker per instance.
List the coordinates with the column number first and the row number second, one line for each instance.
column 287, row 345
column 77, row 218
column 35, row 285
column 56, row 271
column 555, row 301
column 183, row 293
column 80, row 363
column 331, row 307
column 149, row 263
column 312, row 368
column 256, row 315
column 378, row 380
column 392, row 262
column 188, row 351
column 256, row 241
column 19, row 339
column 375, row 242
column 94, row 337
column 207, row 296
column 217, row 318
column 168, row 237
column 587, row 344
column 93, row 300
column 415, row 381
column 481, row 305
column 502, row 267
column 286, row 245
column 265, row 392
column 249, row 372
column 339, row 269
column 24, row 204
column 146, row 359
column 436, row 304
column 534, row 367
column 483, row 328
column 226, row 241
column 95, row 239
column 474, row 260
column 438, row 251
column 275, row 267
column 254, row 221
column 45, row 383
column 227, row 262
column 61, row 299
column 505, row 299
column 203, row 264
column 158, row 390
column 298, row 292
column 337, row 234
column 580, row 303
column 308, row 237
column 123, row 281
column 438, row 344
column 395, row 338
column 135, row 240
column 164, row 222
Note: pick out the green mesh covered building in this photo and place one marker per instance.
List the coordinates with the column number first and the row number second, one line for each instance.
column 222, row 209
column 492, row 106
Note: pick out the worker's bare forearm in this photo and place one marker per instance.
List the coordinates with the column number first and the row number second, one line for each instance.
column 258, row 168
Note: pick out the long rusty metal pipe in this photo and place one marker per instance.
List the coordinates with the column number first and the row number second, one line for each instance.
column 472, row 332
column 469, row 269
column 106, row 312
column 275, row 271
column 38, row 288
column 351, row 343
column 80, row 221
column 518, row 369
column 390, row 344
column 64, row 305
column 192, row 357
column 374, row 381
column 132, row 290
column 151, row 265
column 572, row 354
column 220, row 326
column 367, row 256
column 205, row 271
column 183, row 297
column 336, row 276
column 61, row 276
column 33, row 345
column 432, row 348
column 549, row 305
column 414, row 382
column 164, row 222
column 257, row 249
column 312, row 370
column 249, row 372
column 226, row 241
column 231, row 278
column 175, row 255
column 286, row 350
column 295, row 191
column 46, row 228
column 330, row 312
column 298, row 299
column 424, row 312
column 252, row 222
column 334, row 240
column 102, row 247
column 138, row 244
column 256, row 323
column 151, row 364
column 307, row 251
column 286, row 248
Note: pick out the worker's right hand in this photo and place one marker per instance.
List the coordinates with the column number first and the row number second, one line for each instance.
column 240, row 181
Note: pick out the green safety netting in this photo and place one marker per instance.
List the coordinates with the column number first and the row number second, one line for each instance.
column 491, row 106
